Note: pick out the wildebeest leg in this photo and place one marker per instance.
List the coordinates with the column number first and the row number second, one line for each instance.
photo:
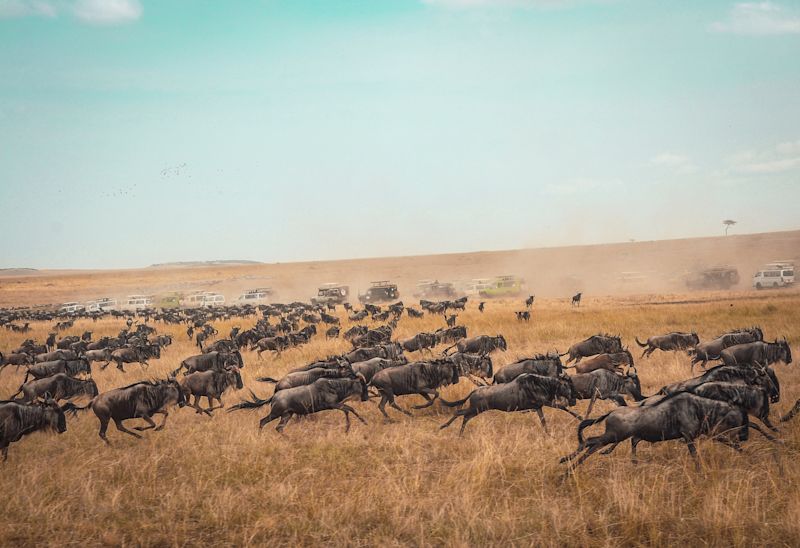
column 260, row 350
column 102, row 367
column 594, row 444
column 148, row 420
column 121, row 428
column 394, row 404
column 164, row 422
column 119, row 366
column 457, row 414
column 692, row 449
column 591, row 403
column 619, row 400
column 769, row 424
column 541, row 418
column 468, row 414
column 610, row 449
column 5, row 451
column 634, row 443
column 348, row 409
column 196, row 405
column 761, row 431
column 103, row 428
column 427, row 398
column 284, row 420
column 574, row 414
column 382, row 406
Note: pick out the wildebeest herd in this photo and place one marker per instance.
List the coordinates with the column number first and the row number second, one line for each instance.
column 718, row 404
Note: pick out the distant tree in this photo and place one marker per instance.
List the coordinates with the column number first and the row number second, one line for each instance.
column 728, row 223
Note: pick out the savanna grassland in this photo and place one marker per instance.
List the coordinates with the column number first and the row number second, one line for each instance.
column 219, row 481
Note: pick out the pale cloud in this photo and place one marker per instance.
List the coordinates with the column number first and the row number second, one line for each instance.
column 94, row 12
column 676, row 162
column 578, row 185
column 538, row 4
column 783, row 158
column 759, row 19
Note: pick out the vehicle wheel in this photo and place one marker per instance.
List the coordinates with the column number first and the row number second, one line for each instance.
column 758, row 285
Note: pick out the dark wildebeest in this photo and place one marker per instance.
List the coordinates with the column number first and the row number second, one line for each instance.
column 414, row 313
column 451, row 334
column 792, row 413
column 423, row 378
column 210, row 384
column 56, row 355
column 59, row 387
column 669, row 343
column 368, row 368
column 605, row 385
column 19, row 419
column 763, row 377
column 524, row 315
column 596, row 344
column 307, row 376
column 683, row 416
column 15, row 359
column 610, row 362
column 529, row 301
column 276, row 344
column 140, row 400
column 524, row 393
column 419, row 342
column 332, row 333
column 135, row 354
column 760, row 353
column 221, row 345
column 47, row 369
column 216, row 361
column 576, row 299
column 483, row 344
column 390, row 351
column 548, row 365
column 711, row 350
column 451, row 320
column 481, row 306
column 753, row 399
column 102, row 355
column 322, row 395
column 473, row 365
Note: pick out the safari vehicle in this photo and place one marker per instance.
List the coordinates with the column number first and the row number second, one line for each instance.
column 434, row 289
column 503, row 286
column 195, row 299
column 214, row 299
column 101, row 305
column 474, row 287
column 716, row 277
column 332, row 293
column 70, row 307
column 779, row 274
column 380, row 292
column 137, row 302
column 255, row 296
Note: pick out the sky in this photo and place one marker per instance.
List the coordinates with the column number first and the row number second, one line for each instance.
column 146, row 131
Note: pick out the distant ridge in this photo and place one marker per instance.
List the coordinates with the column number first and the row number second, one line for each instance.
column 17, row 271
column 204, row 263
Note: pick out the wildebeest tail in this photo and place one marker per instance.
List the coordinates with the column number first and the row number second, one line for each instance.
column 457, row 402
column 178, row 370
column 266, row 379
column 791, row 414
column 255, row 403
column 643, row 345
column 586, row 424
column 73, row 409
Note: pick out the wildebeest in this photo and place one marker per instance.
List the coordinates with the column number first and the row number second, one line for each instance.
column 668, row 343
column 216, row 361
column 596, row 344
column 368, row 368
column 753, row 399
column 481, row 307
column 59, row 387
column 210, row 384
column 605, row 385
column 389, row 351
column 765, row 378
column 526, row 392
column 758, row 352
column 423, row 378
column 332, row 333
column 19, row 419
column 548, row 365
column 276, row 344
column 682, row 416
column 451, row 334
column 529, row 301
column 307, row 376
column 483, row 344
column 473, row 365
column 47, row 369
column 15, row 359
column 135, row 354
column 610, row 362
column 140, row 400
column 451, row 320
column 523, row 315
column 322, row 395
column 711, row 350
column 576, row 299
column 101, row 355
column 419, row 342
column 56, row 355
column 414, row 313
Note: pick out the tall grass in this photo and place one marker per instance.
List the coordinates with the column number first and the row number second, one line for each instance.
column 219, row 481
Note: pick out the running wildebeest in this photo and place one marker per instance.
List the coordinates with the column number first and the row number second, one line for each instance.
column 56, row 355
column 683, row 416
column 451, row 320
column 451, row 334
column 423, row 378
column 19, row 419
column 135, row 354
column 526, row 392
column 524, row 315
column 140, row 400
column 529, row 301
column 47, row 369
column 758, row 352
column 763, row 377
column 322, row 395
column 753, row 399
column 669, row 343
column 15, row 359
column 389, row 351
column 483, row 344
column 605, row 385
column 368, row 368
column 576, row 299
column 596, row 344
column 481, row 307
column 59, row 387
column 332, row 333
column 711, row 350
column 216, row 361
column 210, row 384
column 276, row 344
column 419, row 342
column 473, row 365
column 548, row 365
column 610, row 362
column 414, row 313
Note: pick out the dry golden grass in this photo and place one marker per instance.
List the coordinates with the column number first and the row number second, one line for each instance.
column 218, row 481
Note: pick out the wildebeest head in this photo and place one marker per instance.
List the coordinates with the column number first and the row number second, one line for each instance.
column 90, row 388
column 52, row 415
column 485, row 369
column 364, row 392
column 174, row 391
column 501, row 343
column 785, row 352
column 695, row 338
column 233, row 377
column 566, row 390
column 633, row 385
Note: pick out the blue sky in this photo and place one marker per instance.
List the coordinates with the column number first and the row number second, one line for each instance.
column 136, row 131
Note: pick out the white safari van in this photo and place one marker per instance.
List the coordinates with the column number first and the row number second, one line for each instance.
column 779, row 274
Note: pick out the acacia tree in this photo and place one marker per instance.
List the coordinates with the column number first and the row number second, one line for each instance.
column 728, row 223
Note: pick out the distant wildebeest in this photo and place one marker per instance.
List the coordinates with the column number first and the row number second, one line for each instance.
column 19, row 419
column 473, row 365
column 423, row 378
column 529, row 301
column 670, row 342
column 56, row 355
column 135, row 354
column 576, row 299
column 419, row 342
column 332, row 333
column 210, row 384
column 524, row 315
column 216, row 361
column 276, row 344
column 389, row 351
column 764, row 378
column 59, row 387
column 524, row 393
column 548, row 365
column 758, row 352
column 612, row 362
column 451, row 334
column 102, row 355
column 605, row 385
column 711, row 350
column 15, row 359
column 368, row 368
column 451, row 320
column 322, row 395
column 683, row 416
column 140, row 400
column 414, row 313
column 596, row 344
column 481, row 307
column 483, row 344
